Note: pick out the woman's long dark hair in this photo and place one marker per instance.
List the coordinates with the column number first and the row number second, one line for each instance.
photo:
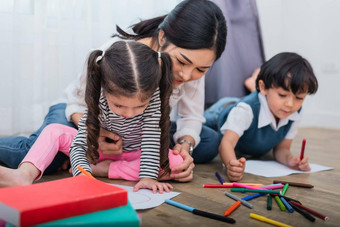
column 127, row 69
column 192, row 24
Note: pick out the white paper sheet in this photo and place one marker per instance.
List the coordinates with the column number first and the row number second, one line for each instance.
column 145, row 199
column 275, row 169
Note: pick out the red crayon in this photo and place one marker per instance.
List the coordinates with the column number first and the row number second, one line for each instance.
column 216, row 186
column 303, row 148
column 310, row 211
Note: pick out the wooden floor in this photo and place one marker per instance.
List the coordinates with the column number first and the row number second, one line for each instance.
column 322, row 148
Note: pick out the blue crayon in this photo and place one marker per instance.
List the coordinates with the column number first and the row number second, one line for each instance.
column 180, row 205
column 219, row 177
column 287, row 205
column 249, row 197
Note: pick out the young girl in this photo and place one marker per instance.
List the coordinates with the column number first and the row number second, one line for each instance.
column 194, row 35
column 127, row 92
column 267, row 118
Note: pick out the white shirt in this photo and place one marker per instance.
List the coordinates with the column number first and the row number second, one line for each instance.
column 241, row 117
column 188, row 99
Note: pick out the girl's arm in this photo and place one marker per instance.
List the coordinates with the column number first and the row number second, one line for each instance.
column 78, row 149
column 235, row 168
column 283, row 155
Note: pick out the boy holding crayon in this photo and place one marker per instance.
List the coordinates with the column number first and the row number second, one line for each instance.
column 267, row 119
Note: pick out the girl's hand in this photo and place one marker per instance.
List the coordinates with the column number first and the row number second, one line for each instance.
column 110, row 143
column 101, row 169
column 294, row 162
column 186, row 167
column 235, row 169
column 153, row 185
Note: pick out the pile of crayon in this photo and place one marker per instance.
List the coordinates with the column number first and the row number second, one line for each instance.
column 272, row 192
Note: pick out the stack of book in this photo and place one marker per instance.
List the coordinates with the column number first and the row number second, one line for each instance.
column 73, row 201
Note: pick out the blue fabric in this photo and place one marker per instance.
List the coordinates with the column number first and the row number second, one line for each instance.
column 255, row 141
column 207, row 149
column 13, row 149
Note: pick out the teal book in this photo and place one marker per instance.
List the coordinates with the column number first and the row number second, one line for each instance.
column 124, row 216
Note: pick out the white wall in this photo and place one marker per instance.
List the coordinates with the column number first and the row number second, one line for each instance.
column 310, row 28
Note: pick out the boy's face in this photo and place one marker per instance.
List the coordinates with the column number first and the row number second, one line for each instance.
column 126, row 107
column 282, row 103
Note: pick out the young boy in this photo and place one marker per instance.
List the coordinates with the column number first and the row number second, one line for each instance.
column 267, row 118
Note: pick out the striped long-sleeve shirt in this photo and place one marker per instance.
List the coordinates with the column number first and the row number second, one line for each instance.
column 141, row 132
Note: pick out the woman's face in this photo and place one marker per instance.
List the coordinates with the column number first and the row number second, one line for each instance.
column 189, row 64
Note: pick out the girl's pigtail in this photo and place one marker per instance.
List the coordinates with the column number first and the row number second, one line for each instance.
column 165, row 88
column 92, row 96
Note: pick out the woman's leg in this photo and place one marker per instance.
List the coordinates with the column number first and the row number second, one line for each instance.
column 14, row 149
column 53, row 138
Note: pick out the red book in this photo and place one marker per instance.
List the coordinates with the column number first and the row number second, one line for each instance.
column 53, row 200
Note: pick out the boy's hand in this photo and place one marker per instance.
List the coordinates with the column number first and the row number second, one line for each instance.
column 294, row 162
column 235, row 169
column 153, row 185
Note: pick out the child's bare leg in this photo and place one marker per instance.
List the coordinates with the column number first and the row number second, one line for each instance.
column 24, row 175
column 250, row 82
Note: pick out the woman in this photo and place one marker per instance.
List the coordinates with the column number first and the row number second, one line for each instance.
column 194, row 35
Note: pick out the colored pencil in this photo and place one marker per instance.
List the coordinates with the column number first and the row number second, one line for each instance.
column 243, row 202
column 254, row 190
column 303, row 212
column 310, row 211
column 296, row 184
column 219, row 177
column 216, row 186
column 81, row 169
column 200, row 212
column 232, row 208
column 270, row 221
column 303, row 148
column 269, row 202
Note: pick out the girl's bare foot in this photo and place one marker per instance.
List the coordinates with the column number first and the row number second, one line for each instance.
column 24, row 175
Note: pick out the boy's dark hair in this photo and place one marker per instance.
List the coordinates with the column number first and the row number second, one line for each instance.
column 192, row 24
column 128, row 68
column 289, row 71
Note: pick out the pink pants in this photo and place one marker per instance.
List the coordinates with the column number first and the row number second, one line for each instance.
column 57, row 137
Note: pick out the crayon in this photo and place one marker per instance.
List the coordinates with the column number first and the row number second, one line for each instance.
column 81, row 169
column 269, row 202
column 254, row 190
column 293, row 184
column 279, row 203
column 217, row 186
column 250, row 184
column 232, row 208
column 302, row 148
column 270, row 221
column 303, row 212
column 243, row 202
column 253, row 196
column 287, row 205
column 271, row 186
column 283, row 192
column 200, row 212
column 290, row 199
column 310, row 211
column 219, row 177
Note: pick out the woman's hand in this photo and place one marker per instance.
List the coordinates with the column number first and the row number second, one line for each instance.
column 186, row 167
column 109, row 143
column 235, row 169
column 153, row 185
